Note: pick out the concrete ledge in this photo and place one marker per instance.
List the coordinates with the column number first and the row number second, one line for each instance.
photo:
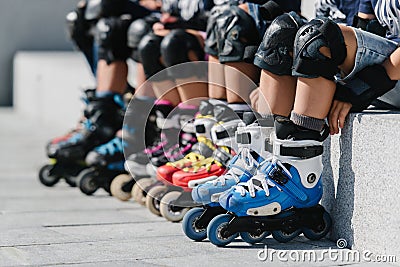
column 361, row 182
column 47, row 86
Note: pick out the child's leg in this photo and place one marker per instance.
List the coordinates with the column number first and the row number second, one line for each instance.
column 216, row 78
column 112, row 77
column 240, row 78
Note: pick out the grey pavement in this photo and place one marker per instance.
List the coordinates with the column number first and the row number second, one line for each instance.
column 42, row 226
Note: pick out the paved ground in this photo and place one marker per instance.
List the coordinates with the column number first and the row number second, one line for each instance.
column 60, row 226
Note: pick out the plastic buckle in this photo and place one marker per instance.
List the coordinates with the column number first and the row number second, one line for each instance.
column 278, row 175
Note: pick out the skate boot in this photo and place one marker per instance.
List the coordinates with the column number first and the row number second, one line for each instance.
column 50, row 174
column 141, row 115
column 252, row 136
column 175, row 204
column 199, row 151
column 105, row 162
column 282, row 198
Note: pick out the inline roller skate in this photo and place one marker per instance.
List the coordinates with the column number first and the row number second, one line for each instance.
column 199, row 151
column 176, row 203
column 252, row 137
column 67, row 153
column 282, row 198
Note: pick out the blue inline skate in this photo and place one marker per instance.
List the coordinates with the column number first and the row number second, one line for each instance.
column 251, row 140
column 282, row 198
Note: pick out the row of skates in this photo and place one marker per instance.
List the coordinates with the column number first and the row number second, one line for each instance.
column 222, row 173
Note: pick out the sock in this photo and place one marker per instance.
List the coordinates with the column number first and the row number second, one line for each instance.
column 307, row 122
column 103, row 94
column 239, row 107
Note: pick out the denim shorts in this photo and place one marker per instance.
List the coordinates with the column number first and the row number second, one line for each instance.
column 371, row 49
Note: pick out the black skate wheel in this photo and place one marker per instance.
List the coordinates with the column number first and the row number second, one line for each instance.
column 153, row 198
column 253, row 238
column 71, row 181
column 117, row 185
column 139, row 190
column 45, row 176
column 323, row 230
column 86, row 182
column 189, row 225
column 166, row 208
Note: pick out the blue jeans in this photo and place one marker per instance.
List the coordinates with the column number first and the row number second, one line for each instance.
column 371, row 49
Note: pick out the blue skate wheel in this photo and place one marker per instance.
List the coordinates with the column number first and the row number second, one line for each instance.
column 253, row 238
column 322, row 232
column 215, row 229
column 189, row 227
column 284, row 237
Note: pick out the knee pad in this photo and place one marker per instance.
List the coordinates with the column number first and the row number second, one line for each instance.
column 112, row 38
column 273, row 54
column 308, row 61
column 79, row 27
column 175, row 48
column 211, row 42
column 113, row 7
column 149, row 55
column 137, row 30
column 238, row 37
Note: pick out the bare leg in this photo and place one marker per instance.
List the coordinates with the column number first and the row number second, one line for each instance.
column 237, row 84
column 392, row 65
column 216, row 78
column 278, row 91
column 143, row 88
column 166, row 90
column 191, row 92
column 113, row 77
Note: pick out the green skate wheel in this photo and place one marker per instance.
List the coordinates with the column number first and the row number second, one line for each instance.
column 45, row 176
column 139, row 190
column 189, row 225
column 168, row 211
column 215, row 229
column 322, row 229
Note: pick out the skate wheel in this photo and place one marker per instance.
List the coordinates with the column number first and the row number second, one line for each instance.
column 215, row 229
column 71, row 181
column 45, row 177
column 189, row 225
column 253, row 238
column 284, row 237
column 172, row 214
column 117, row 185
column 139, row 190
column 323, row 228
column 153, row 198
column 86, row 182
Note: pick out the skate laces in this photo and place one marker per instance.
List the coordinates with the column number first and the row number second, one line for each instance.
column 116, row 145
column 206, row 163
column 244, row 161
column 191, row 158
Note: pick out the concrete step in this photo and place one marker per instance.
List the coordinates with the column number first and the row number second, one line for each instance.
column 361, row 182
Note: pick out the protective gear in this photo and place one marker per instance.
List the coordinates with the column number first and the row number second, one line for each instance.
column 238, row 37
column 378, row 80
column 308, row 60
column 79, row 32
column 93, row 10
column 270, row 10
column 112, row 38
column 369, row 25
column 149, row 55
column 273, row 53
column 136, row 31
column 113, row 7
column 175, row 48
column 211, row 42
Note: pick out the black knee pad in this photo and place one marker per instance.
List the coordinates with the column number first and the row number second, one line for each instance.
column 308, row 61
column 149, row 54
column 79, row 28
column 238, row 37
column 273, row 54
column 175, row 48
column 113, row 7
column 211, row 42
column 137, row 30
column 112, row 38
